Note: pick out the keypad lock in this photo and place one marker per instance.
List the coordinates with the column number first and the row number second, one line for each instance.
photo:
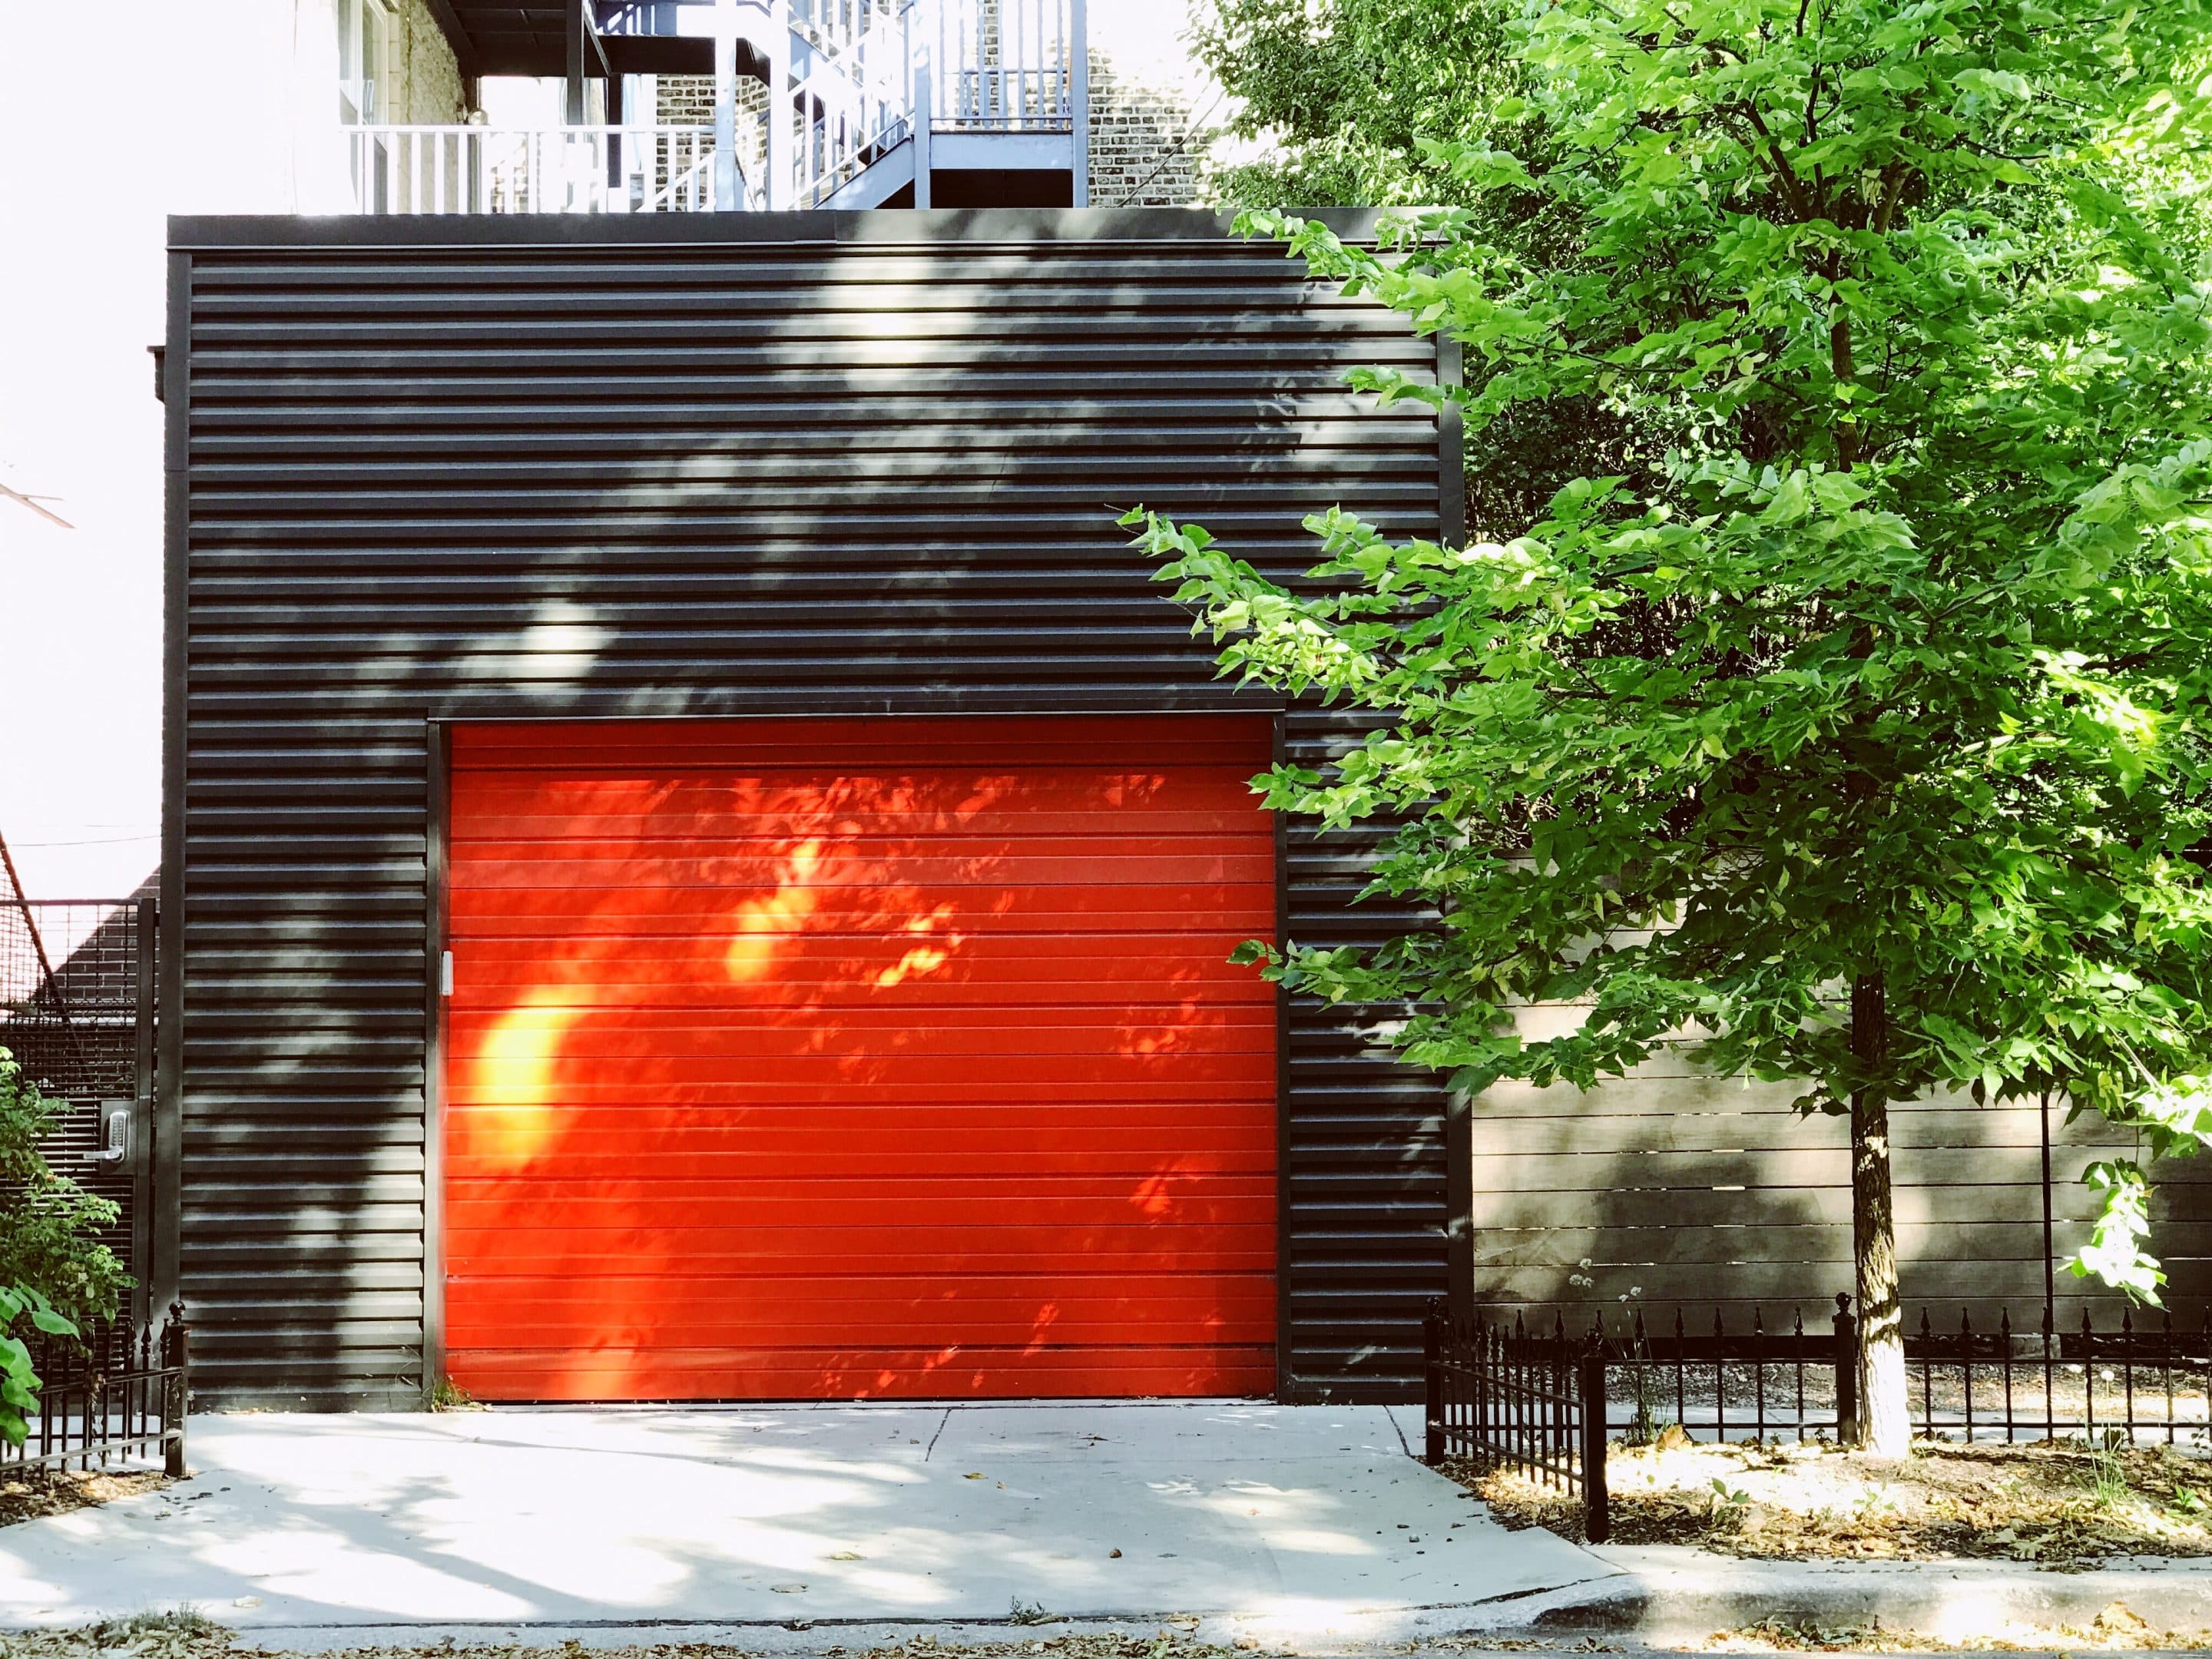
column 115, row 1148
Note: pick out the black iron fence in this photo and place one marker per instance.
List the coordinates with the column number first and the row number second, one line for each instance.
column 1544, row 1400
column 1505, row 1397
column 114, row 1398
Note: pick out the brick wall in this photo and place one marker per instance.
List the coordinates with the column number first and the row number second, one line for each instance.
column 425, row 80
column 1154, row 110
column 1142, row 153
column 685, row 100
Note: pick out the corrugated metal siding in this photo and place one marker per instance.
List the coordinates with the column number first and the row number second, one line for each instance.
column 863, row 463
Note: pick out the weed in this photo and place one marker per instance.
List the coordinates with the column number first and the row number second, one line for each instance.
column 1728, row 1503
column 1874, row 1504
column 447, row 1396
column 2108, row 1472
column 1019, row 1612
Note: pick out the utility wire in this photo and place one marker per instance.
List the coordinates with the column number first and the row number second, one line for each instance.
column 32, row 501
column 105, row 841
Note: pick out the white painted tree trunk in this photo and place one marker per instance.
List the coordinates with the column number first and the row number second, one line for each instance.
column 1885, row 1423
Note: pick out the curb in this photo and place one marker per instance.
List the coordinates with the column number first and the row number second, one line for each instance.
column 1370, row 1632
column 1670, row 1592
column 1658, row 1596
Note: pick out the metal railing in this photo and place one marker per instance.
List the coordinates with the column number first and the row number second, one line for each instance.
column 861, row 73
column 1545, row 1403
column 1003, row 65
column 835, row 26
column 108, row 1399
column 855, row 102
column 1502, row 1397
column 580, row 169
column 2148, row 1381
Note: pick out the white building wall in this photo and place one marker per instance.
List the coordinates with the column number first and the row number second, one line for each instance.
column 206, row 107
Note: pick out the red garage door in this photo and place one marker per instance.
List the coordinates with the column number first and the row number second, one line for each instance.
column 836, row 1058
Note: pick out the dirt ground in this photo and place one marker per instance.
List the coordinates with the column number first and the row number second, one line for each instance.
column 26, row 1497
column 2118, row 1629
column 190, row 1636
column 193, row 1636
column 2059, row 1505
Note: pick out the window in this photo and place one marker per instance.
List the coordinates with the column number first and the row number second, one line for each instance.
column 364, row 51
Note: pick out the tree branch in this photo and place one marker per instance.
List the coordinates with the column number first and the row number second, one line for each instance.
column 1792, row 189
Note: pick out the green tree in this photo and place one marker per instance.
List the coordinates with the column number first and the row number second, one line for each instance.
column 1351, row 93
column 1355, row 98
column 1856, row 721
column 55, row 1274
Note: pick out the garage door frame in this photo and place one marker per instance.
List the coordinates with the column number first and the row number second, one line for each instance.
column 439, row 784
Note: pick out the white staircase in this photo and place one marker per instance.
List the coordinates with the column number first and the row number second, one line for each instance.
column 879, row 80
column 852, row 66
column 869, row 99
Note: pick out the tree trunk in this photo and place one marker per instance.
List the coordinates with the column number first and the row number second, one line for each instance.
column 1885, row 1425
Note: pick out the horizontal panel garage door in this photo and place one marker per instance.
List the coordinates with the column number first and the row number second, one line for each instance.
column 842, row 1058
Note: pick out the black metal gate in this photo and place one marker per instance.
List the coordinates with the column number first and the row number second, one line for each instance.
column 76, row 1011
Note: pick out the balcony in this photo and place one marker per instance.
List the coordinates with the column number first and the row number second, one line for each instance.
column 880, row 97
column 478, row 169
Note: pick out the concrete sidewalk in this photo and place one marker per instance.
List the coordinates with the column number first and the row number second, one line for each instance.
column 1291, row 1524
column 1670, row 1594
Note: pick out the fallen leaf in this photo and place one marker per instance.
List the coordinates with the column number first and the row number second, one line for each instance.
column 848, row 1555
column 973, row 1474
column 2119, row 1616
column 1113, row 1555
column 787, row 1589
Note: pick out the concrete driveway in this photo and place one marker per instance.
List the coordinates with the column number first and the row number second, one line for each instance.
column 1285, row 1521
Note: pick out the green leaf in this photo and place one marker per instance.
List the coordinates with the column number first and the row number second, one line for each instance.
column 1837, row 607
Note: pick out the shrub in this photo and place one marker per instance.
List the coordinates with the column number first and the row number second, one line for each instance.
column 55, row 1274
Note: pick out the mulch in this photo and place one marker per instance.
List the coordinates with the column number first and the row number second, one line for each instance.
column 193, row 1636
column 2059, row 1505
column 2118, row 1629
column 29, row 1496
